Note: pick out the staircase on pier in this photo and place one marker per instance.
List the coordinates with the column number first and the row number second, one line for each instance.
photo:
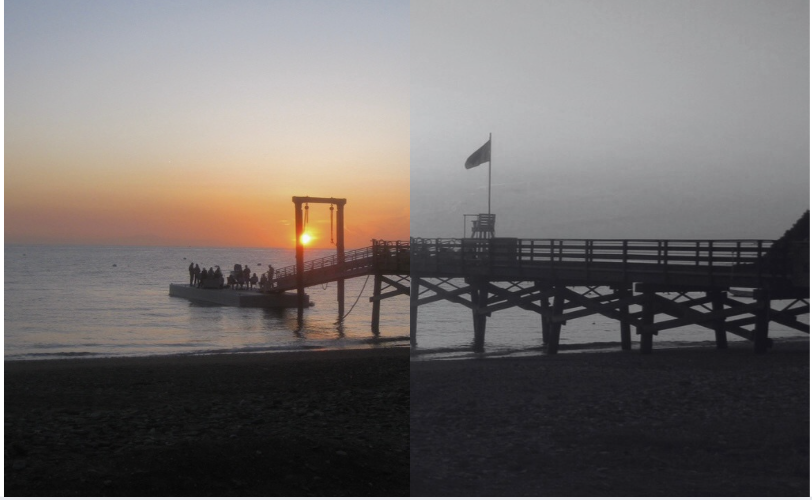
column 383, row 257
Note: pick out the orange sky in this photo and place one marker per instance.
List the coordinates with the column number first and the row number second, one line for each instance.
column 122, row 129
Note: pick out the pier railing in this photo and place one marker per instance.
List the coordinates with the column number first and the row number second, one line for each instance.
column 392, row 256
column 614, row 259
column 382, row 256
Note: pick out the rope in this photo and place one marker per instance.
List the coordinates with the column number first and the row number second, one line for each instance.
column 356, row 299
column 331, row 224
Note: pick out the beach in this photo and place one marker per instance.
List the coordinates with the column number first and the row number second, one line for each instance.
column 322, row 423
column 679, row 422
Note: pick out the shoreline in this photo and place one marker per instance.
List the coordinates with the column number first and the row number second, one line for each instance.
column 331, row 422
column 460, row 354
column 216, row 355
column 360, row 344
column 679, row 422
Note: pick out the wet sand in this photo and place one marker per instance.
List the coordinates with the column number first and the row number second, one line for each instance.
column 679, row 422
column 314, row 423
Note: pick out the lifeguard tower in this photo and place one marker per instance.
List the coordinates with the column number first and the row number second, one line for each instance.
column 482, row 226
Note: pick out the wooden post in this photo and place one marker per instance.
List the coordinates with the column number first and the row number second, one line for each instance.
column 340, row 252
column 647, row 336
column 546, row 316
column 761, row 340
column 625, row 327
column 554, row 334
column 376, row 306
column 479, row 299
column 299, row 259
column 414, row 293
column 718, row 303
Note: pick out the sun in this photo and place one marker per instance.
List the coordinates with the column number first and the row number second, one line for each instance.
column 306, row 238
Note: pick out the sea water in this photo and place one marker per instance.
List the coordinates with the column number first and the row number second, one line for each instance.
column 445, row 331
column 107, row 301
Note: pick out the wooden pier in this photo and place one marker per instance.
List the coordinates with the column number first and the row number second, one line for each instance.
column 567, row 279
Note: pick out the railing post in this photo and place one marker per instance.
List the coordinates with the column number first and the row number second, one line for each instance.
column 552, row 258
column 625, row 259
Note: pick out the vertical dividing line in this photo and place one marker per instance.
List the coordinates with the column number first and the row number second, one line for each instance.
column 490, row 158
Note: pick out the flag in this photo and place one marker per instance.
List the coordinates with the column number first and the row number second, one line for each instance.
column 480, row 156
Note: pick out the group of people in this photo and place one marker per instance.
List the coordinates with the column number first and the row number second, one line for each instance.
column 240, row 277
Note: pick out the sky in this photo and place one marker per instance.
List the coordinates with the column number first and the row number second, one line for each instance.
column 194, row 123
column 611, row 119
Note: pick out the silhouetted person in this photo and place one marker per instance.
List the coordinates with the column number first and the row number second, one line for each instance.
column 254, row 280
column 203, row 275
column 270, row 275
column 263, row 281
column 197, row 275
column 191, row 274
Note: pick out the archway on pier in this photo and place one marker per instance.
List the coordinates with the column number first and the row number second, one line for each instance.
column 339, row 203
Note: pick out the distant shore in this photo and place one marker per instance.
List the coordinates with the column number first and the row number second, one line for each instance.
column 679, row 422
column 296, row 423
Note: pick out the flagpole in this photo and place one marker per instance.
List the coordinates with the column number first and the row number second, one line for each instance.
column 490, row 156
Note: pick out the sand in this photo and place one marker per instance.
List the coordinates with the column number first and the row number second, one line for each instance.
column 678, row 422
column 315, row 423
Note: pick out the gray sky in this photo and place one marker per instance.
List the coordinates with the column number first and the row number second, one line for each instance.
column 611, row 118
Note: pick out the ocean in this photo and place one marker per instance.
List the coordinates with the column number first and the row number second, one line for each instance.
column 110, row 301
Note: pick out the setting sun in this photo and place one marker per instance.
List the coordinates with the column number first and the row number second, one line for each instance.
column 306, row 238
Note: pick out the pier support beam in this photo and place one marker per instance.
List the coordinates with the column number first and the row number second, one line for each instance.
column 376, row 306
column 625, row 327
column 761, row 339
column 414, row 294
column 340, row 256
column 546, row 320
column 299, row 260
column 718, row 304
column 479, row 299
column 646, row 335
column 554, row 331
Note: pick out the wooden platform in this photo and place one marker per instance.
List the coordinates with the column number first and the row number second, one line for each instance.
column 235, row 298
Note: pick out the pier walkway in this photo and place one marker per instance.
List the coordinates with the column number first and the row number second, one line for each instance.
column 382, row 258
column 387, row 261
column 621, row 279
